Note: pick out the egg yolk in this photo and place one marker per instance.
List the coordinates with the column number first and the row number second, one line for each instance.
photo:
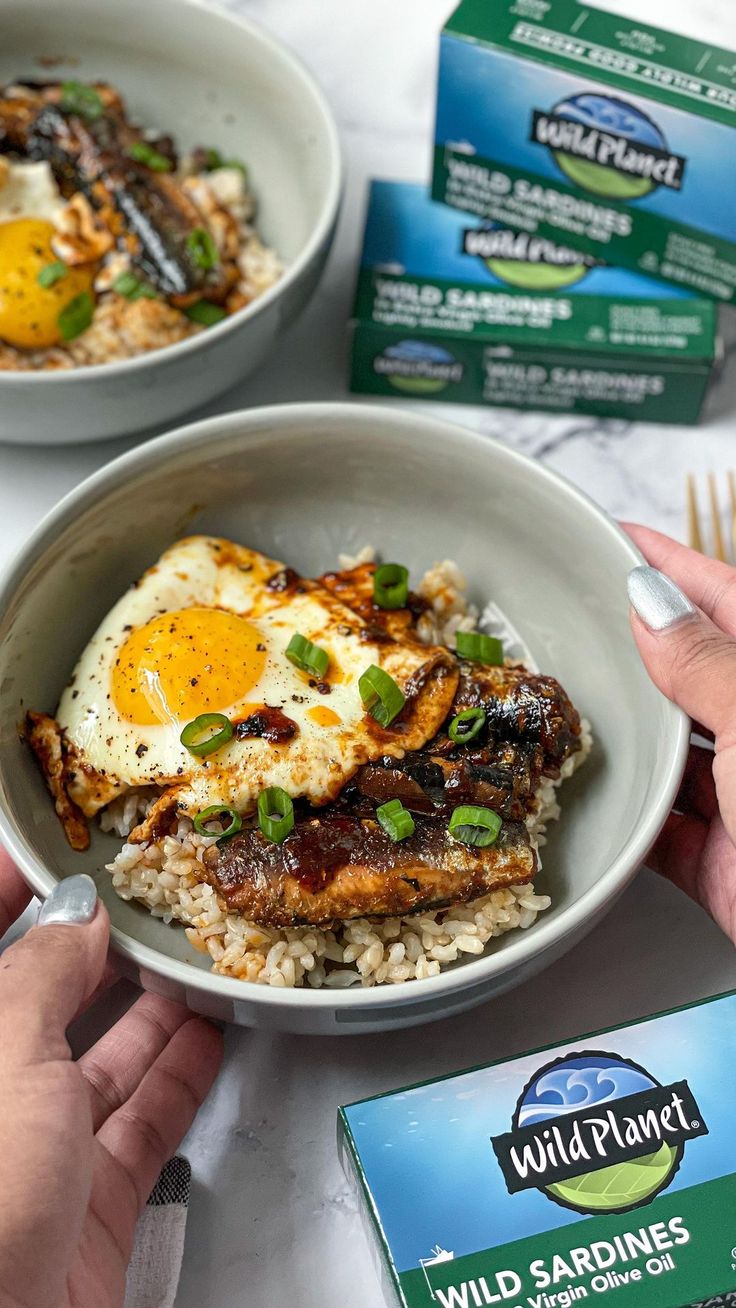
column 184, row 663
column 29, row 312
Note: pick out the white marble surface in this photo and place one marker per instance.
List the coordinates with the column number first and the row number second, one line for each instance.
column 272, row 1221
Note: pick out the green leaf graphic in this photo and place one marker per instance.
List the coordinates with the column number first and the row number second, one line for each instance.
column 418, row 385
column 537, row 276
column 621, row 1186
column 603, row 181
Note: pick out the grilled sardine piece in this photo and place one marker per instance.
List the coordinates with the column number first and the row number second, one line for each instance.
column 340, row 866
column 21, row 103
column 531, row 729
column 154, row 215
column 338, row 863
column 523, row 708
column 434, row 782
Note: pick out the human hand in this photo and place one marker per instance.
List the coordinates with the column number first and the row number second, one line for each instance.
column 686, row 634
column 82, row 1143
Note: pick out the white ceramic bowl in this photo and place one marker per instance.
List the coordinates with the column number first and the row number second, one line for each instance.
column 302, row 483
column 208, row 77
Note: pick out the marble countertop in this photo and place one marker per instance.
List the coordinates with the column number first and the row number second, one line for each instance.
column 272, row 1219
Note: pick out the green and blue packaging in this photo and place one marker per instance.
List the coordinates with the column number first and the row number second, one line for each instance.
column 599, row 1171
column 594, row 130
column 455, row 308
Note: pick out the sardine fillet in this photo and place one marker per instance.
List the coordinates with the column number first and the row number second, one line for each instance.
column 341, row 867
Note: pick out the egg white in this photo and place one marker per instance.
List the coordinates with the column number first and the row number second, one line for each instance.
column 28, row 190
column 111, row 754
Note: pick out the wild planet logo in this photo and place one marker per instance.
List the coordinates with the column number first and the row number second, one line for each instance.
column 530, row 263
column 598, row 1134
column 418, row 367
column 608, row 147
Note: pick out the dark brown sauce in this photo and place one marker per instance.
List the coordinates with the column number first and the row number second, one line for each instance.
column 283, row 580
column 314, row 850
column 269, row 723
column 372, row 634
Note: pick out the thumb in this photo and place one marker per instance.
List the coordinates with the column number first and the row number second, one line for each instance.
column 687, row 656
column 46, row 977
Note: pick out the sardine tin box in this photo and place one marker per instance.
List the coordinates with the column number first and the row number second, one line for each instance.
column 454, row 309
column 601, row 1170
column 597, row 130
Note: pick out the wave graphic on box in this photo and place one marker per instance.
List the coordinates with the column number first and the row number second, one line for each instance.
column 569, row 1088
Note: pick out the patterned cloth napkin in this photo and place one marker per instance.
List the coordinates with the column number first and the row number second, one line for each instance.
column 153, row 1274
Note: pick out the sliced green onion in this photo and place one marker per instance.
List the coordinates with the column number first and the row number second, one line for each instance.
column 395, row 820
column 479, row 647
column 391, row 586
column 475, row 826
column 213, row 159
column 51, row 273
column 466, row 725
column 127, row 284
column 310, row 658
column 76, row 316
column 78, row 98
column 216, row 811
column 275, row 814
column 143, row 152
column 205, row 313
column 202, row 248
column 381, row 697
column 200, row 738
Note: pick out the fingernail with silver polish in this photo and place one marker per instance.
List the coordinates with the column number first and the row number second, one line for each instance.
column 658, row 601
column 72, row 903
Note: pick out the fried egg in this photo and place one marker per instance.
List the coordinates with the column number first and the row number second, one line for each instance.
column 30, row 311
column 205, row 631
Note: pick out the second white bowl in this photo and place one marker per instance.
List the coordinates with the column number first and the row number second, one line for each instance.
column 207, row 77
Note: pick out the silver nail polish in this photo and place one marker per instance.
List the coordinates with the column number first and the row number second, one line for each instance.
column 658, row 601
column 72, row 903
